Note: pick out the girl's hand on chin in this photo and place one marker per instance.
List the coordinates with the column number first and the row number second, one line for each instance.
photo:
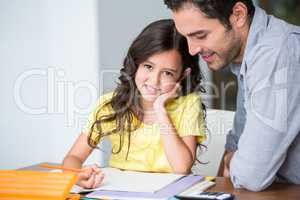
column 161, row 100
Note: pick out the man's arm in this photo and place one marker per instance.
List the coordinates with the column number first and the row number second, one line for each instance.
column 234, row 134
column 273, row 96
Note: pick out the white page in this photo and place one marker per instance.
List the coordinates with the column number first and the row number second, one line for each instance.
column 131, row 181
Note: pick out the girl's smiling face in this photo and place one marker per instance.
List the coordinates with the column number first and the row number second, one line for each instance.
column 158, row 74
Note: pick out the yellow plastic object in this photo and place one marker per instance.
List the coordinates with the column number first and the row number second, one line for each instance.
column 35, row 185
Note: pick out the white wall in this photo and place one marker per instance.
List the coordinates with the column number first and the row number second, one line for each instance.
column 48, row 66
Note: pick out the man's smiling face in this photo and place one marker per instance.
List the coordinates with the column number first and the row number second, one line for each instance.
column 216, row 44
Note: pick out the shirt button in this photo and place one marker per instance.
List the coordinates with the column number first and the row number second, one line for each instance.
column 241, row 77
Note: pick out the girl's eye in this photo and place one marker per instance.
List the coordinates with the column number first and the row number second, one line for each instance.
column 167, row 73
column 149, row 67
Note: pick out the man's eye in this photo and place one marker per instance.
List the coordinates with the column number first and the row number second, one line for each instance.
column 200, row 37
column 149, row 67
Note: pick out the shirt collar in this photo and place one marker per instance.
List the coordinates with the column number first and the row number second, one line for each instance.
column 257, row 28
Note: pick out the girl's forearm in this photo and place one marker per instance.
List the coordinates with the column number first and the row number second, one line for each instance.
column 177, row 152
column 72, row 162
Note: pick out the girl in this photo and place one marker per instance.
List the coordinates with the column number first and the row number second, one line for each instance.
column 153, row 118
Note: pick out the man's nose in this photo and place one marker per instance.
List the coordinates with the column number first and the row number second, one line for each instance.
column 194, row 49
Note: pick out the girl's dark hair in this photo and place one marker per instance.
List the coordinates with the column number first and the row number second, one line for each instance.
column 219, row 9
column 157, row 37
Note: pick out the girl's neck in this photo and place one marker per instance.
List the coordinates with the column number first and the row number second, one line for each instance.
column 147, row 106
column 148, row 112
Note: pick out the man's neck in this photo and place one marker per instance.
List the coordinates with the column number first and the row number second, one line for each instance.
column 244, row 39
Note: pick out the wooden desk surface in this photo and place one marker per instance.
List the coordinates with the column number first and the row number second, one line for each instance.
column 275, row 192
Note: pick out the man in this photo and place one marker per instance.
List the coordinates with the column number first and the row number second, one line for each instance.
column 264, row 53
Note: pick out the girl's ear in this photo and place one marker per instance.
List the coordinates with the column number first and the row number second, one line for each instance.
column 185, row 74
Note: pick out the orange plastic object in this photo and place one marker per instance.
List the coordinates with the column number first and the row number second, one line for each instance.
column 35, row 185
column 73, row 197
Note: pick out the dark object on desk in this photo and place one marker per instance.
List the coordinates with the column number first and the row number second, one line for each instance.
column 207, row 196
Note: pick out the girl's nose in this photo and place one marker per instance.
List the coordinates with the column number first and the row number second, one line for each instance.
column 155, row 79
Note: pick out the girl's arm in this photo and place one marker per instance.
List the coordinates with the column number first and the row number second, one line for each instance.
column 78, row 153
column 180, row 152
column 91, row 177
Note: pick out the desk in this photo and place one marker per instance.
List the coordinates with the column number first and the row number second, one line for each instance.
column 274, row 192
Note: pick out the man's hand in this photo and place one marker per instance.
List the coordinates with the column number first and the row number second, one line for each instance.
column 227, row 158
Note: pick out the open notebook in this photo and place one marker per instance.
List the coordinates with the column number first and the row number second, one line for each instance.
column 132, row 181
column 163, row 194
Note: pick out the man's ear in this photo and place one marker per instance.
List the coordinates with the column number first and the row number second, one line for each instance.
column 185, row 74
column 239, row 16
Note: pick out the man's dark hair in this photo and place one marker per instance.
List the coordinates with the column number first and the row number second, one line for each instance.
column 219, row 9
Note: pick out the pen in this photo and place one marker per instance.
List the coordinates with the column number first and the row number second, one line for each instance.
column 60, row 167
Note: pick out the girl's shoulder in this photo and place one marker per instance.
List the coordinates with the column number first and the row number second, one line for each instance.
column 192, row 97
column 189, row 100
column 103, row 103
column 106, row 97
column 185, row 105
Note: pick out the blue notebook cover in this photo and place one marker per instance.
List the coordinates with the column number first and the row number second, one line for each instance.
column 165, row 193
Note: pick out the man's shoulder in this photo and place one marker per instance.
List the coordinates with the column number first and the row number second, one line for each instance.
column 273, row 37
column 271, row 50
